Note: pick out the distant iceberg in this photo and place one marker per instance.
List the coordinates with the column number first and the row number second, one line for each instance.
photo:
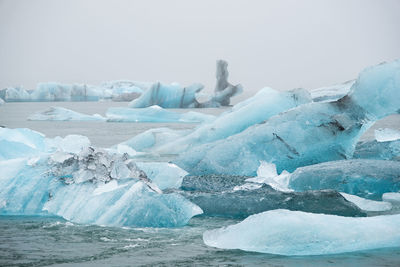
column 176, row 96
column 287, row 232
column 154, row 114
column 63, row 114
column 150, row 114
column 308, row 134
column 52, row 91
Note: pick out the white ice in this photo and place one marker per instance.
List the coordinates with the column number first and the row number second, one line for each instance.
column 287, row 232
column 386, row 134
column 367, row 204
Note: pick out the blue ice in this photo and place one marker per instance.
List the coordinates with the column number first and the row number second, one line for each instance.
column 287, row 232
column 305, row 135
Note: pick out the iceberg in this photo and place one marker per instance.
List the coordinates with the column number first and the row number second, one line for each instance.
column 14, row 94
column 361, row 177
column 155, row 114
column 324, row 131
column 331, row 93
column 287, row 232
column 168, row 96
column 150, row 114
column 366, row 204
column 63, row 114
column 176, row 96
column 234, row 197
column 388, row 150
column 124, row 90
column 224, row 91
column 53, row 91
column 257, row 109
column 91, row 187
column 387, row 134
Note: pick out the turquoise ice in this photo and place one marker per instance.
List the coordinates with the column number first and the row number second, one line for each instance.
column 287, row 232
column 305, row 135
column 257, row 109
column 361, row 177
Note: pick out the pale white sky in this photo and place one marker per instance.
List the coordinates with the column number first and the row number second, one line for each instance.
column 282, row 44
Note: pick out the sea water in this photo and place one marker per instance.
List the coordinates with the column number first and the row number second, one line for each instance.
column 41, row 241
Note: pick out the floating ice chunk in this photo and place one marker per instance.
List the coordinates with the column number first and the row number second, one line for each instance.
column 154, row 114
column 168, row 96
column 92, row 188
column 63, row 114
column 391, row 197
column 331, row 93
column 257, row 109
column 298, row 233
column 232, row 196
column 267, row 174
column 1, row 101
column 366, row 204
column 305, row 135
column 384, row 135
column 362, row 177
column 164, row 174
column 389, row 150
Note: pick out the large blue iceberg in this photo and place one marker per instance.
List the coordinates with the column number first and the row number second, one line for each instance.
column 287, row 232
column 257, row 109
column 67, row 177
column 305, row 135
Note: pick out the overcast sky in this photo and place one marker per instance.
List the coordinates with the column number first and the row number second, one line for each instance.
column 282, row 44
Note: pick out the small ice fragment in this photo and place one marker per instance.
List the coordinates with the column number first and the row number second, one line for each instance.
column 386, row 134
column 366, row 204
